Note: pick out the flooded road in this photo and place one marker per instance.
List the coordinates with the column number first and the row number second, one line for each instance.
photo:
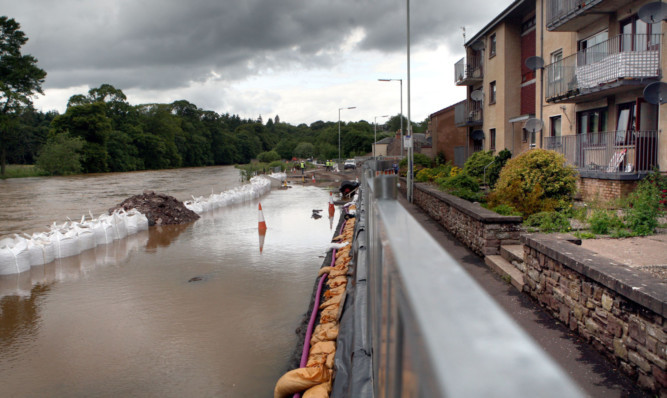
column 192, row 310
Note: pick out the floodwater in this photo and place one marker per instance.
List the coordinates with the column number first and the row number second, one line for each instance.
column 178, row 311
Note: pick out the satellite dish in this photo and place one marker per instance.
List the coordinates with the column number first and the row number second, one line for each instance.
column 533, row 125
column 534, row 63
column 656, row 93
column 653, row 12
column 477, row 95
column 478, row 45
column 477, row 135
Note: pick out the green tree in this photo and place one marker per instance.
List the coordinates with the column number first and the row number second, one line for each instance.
column 304, row 150
column 60, row 155
column 268, row 157
column 20, row 78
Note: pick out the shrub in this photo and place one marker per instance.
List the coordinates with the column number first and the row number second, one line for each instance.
column 535, row 181
column 476, row 163
column 268, row 157
column 603, row 221
column 463, row 186
column 506, row 210
column 493, row 172
column 642, row 216
column 549, row 221
column 60, row 155
column 278, row 163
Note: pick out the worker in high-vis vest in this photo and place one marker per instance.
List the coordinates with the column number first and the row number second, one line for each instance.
column 303, row 167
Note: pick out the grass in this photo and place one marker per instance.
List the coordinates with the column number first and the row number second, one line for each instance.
column 22, row 171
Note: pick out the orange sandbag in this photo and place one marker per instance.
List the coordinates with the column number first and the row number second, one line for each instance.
column 335, row 300
column 300, row 379
column 324, row 332
column 337, row 281
column 318, row 391
column 335, row 291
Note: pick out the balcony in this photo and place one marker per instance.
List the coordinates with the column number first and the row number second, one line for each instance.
column 620, row 155
column 466, row 74
column 468, row 113
column 572, row 15
column 605, row 68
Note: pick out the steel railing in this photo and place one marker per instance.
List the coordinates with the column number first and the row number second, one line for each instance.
column 468, row 113
column 470, row 71
column 560, row 9
column 432, row 331
column 624, row 56
column 627, row 152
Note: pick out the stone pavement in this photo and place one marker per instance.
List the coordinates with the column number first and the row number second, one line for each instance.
column 646, row 253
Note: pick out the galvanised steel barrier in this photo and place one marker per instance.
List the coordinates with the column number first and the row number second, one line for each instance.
column 431, row 330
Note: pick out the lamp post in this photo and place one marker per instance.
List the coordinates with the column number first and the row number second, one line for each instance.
column 375, row 143
column 401, row 86
column 340, row 109
column 410, row 184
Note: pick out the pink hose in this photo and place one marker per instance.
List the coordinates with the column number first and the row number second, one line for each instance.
column 313, row 314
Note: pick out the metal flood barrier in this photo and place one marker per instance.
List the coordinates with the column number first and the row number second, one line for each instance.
column 428, row 328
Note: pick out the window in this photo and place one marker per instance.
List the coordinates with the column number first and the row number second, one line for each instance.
column 492, row 93
column 556, row 60
column 528, row 25
column 626, row 123
column 555, row 126
column 590, row 124
column 492, row 46
column 492, row 136
column 592, row 49
column 637, row 35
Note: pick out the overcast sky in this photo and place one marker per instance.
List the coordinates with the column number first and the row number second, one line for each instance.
column 299, row 59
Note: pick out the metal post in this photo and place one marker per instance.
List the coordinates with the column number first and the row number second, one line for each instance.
column 410, row 138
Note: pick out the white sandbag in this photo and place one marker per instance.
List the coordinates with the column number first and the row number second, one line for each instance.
column 65, row 244
column 14, row 256
column 85, row 237
column 41, row 249
column 103, row 230
column 119, row 225
column 135, row 222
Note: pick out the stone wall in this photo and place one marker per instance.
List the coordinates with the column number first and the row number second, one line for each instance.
column 482, row 230
column 620, row 311
column 592, row 189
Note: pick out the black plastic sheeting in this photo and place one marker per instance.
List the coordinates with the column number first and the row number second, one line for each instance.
column 353, row 363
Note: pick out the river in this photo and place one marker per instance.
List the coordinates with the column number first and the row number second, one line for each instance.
column 128, row 319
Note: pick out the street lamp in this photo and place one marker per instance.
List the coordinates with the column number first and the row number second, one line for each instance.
column 401, row 86
column 376, row 135
column 340, row 109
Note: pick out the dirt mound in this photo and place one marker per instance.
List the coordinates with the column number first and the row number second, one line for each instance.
column 160, row 209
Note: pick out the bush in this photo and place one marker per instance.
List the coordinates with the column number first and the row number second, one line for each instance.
column 642, row 216
column 493, row 172
column 535, row 181
column 268, row 157
column 278, row 163
column 603, row 221
column 506, row 210
column 549, row 221
column 427, row 175
column 476, row 163
column 463, row 186
column 60, row 155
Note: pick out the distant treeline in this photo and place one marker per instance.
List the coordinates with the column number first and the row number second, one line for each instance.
column 103, row 133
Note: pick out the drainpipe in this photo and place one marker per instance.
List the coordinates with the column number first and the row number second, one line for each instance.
column 541, row 69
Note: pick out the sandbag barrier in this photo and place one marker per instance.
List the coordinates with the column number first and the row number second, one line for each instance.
column 18, row 253
column 315, row 375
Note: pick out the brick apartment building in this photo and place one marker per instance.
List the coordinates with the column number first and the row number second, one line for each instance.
column 586, row 94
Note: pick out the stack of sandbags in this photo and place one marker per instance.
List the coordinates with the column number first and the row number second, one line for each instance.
column 316, row 378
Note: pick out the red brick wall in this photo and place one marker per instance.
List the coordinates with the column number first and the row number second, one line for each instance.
column 527, row 92
column 446, row 135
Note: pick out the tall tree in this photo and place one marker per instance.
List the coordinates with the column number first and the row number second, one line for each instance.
column 20, row 78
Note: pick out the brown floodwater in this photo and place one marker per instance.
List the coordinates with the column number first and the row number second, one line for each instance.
column 177, row 311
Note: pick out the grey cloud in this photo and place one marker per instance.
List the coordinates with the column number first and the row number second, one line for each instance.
column 164, row 44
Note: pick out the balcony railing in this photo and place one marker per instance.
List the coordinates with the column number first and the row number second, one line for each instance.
column 560, row 10
column 623, row 152
column 625, row 56
column 468, row 113
column 467, row 73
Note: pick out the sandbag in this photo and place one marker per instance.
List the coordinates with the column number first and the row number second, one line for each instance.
column 135, row 222
column 103, row 230
column 300, row 379
column 319, row 391
column 85, row 237
column 14, row 256
column 41, row 249
column 119, row 225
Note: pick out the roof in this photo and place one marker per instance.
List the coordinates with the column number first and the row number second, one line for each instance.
column 386, row 140
column 515, row 10
column 443, row 110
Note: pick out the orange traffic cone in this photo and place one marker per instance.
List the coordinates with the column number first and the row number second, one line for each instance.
column 331, row 203
column 313, row 178
column 262, row 224
column 262, row 235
